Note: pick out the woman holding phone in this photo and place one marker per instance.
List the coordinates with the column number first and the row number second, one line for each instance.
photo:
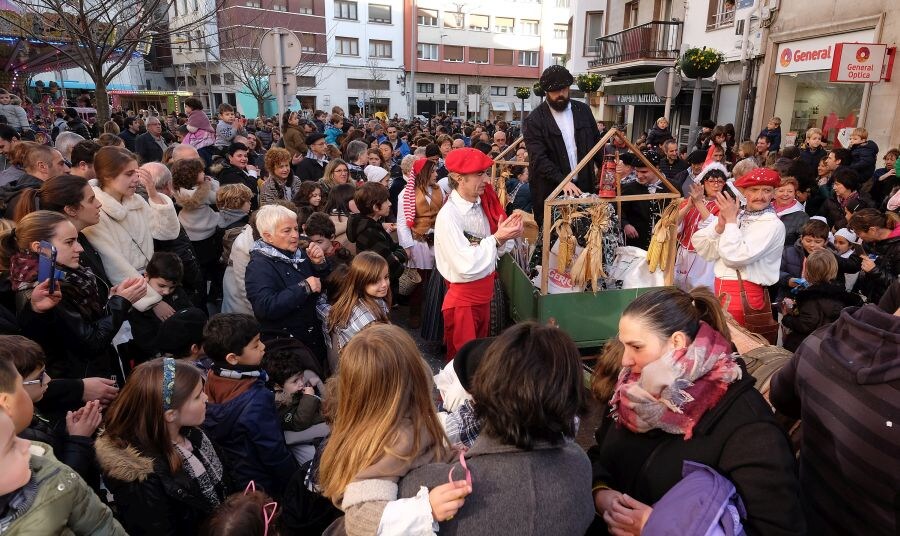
column 67, row 314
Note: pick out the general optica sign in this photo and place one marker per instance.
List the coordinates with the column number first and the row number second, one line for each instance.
column 858, row 62
column 816, row 54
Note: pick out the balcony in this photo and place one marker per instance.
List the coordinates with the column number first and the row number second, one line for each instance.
column 653, row 43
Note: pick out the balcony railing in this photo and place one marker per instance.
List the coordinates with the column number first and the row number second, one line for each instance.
column 659, row 40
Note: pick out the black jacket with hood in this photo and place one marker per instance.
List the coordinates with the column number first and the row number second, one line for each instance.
column 370, row 235
column 816, row 306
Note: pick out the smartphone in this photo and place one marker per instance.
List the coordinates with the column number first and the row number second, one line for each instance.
column 47, row 264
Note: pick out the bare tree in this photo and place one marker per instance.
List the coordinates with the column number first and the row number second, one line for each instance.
column 102, row 36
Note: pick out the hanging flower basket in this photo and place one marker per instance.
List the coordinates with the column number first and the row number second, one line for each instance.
column 700, row 62
column 537, row 89
column 523, row 93
column 589, row 82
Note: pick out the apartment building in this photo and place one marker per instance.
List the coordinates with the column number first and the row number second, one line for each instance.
column 469, row 58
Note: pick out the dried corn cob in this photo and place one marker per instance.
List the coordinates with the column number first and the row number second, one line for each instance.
column 588, row 268
column 664, row 238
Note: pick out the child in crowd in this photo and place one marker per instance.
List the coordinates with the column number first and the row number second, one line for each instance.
column 863, row 154
column 297, row 379
column 813, row 237
column 458, row 416
column 320, row 229
column 163, row 274
column 818, row 304
column 200, row 130
column 772, row 132
column 847, row 246
column 813, row 151
column 71, row 440
column 233, row 202
column 335, row 129
column 369, row 451
column 195, row 194
column 162, row 470
column 367, row 231
column 181, row 337
column 309, row 194
column 251, row 513
column 40, row 494
column 228, row 127
column 241, row 416
column 363, row 298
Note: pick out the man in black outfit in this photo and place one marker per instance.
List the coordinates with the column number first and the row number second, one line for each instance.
column 639, row 217
column 312, row 168
column 558, row 134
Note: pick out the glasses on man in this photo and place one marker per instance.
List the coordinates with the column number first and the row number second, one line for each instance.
column 37, row 381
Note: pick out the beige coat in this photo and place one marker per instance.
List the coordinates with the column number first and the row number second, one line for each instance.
column 124, row 237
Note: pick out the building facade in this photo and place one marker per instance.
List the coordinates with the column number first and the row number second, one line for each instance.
column 468, row 59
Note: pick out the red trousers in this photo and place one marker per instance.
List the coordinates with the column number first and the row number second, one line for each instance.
column 732, row 289
column 463, row 324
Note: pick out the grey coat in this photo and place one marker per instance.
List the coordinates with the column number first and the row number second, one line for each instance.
column 542, row 492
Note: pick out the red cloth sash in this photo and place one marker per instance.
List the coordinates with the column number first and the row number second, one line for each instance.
column 731, row 287
column 469, row 294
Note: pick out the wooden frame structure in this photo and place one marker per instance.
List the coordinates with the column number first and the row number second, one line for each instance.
column 551, row 200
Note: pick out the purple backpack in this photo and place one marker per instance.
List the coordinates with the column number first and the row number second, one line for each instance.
column 703, row 503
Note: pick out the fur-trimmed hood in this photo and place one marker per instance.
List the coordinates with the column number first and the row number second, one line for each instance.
column 124, row 464
column 196, row 197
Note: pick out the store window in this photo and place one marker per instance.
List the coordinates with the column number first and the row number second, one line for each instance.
column 806, row 100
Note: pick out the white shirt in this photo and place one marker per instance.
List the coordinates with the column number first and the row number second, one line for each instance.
column 456, row 258
column 566, row 123
column 753, row 246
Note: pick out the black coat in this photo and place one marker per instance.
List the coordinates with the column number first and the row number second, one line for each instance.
column 9, row 193
column 129, row 138
column 875, row 283
column 235, row 175
column 672, row 170
column 815, row 307
column 76, row 346
column 640, row 214
column 281, row 304
column 369, row 235
column 77, row 126
column 812, row 158
column 310, row 169
column 549, row 161
column 738, row 437
column 147, row 149
column 863, row 158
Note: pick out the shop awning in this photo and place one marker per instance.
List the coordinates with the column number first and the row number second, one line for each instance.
column 501, row 107
column 76, row 84
column 629, row 87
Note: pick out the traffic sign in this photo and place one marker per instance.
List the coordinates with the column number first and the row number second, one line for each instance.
column 661, row 83
column 280, row 47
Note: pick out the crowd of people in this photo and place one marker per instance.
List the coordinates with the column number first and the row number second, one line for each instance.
column 199, row 331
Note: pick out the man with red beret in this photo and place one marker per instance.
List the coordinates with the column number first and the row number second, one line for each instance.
column 470, row 234
column 750, row 241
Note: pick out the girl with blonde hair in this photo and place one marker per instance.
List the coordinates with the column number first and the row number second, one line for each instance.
column 385, row 425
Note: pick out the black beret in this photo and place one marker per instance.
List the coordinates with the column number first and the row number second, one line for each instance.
column 181, row 330
column 696, row 157
column 468, row 358
column 314, row 137
column 556, row 77
column 629, row 159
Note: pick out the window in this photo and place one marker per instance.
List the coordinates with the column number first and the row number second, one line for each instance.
column 452, row 20
column 498, row 91
column 503, row 25
column 252, row 3
column 380, row 49
column 428, row 17
column 479, row 23
column 558, row 59
column 560, row 31
column 306, row 81
column 473, row 89
column 529, row 27
column 346, row 46
column 425, row 51
column 307, row 42
column 423, row 87
column 344, row 9
column 631, row 14
column 453, row 53
column 380, row 13
column 503, row 57
column 478, row 55
column 451, row 89
column 721, row 14
column 528, row 58
column 366, row 83
column 229, row 79
column 593, row 29
column 215, row 79
column 279, row 7
column 305, row 6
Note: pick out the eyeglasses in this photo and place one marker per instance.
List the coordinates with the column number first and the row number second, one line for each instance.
column 37, row 381
column 715, row 181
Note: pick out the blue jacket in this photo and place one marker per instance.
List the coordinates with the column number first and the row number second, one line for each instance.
column 281, row 300
column 332, row 133
column 774, row 137
column 247, row 430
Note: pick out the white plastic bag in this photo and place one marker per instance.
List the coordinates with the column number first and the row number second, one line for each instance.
column 559, row 282
column 630, row 266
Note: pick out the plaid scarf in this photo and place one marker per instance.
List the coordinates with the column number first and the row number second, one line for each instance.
column 78, row 286
column 672, row 393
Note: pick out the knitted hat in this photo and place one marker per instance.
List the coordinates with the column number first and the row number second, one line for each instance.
column 467, row 160
column 759, row 177
column 556, row 77
column 375, row 173
column 467, row 359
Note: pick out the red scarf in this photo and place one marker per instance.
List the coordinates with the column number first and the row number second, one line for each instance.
column 490, row 203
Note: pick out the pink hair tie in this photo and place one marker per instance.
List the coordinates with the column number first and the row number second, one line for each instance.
column 462, row 461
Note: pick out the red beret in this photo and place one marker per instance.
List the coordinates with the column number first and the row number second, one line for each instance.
column 759, row 177
column 418, row 165
column 467, row 160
